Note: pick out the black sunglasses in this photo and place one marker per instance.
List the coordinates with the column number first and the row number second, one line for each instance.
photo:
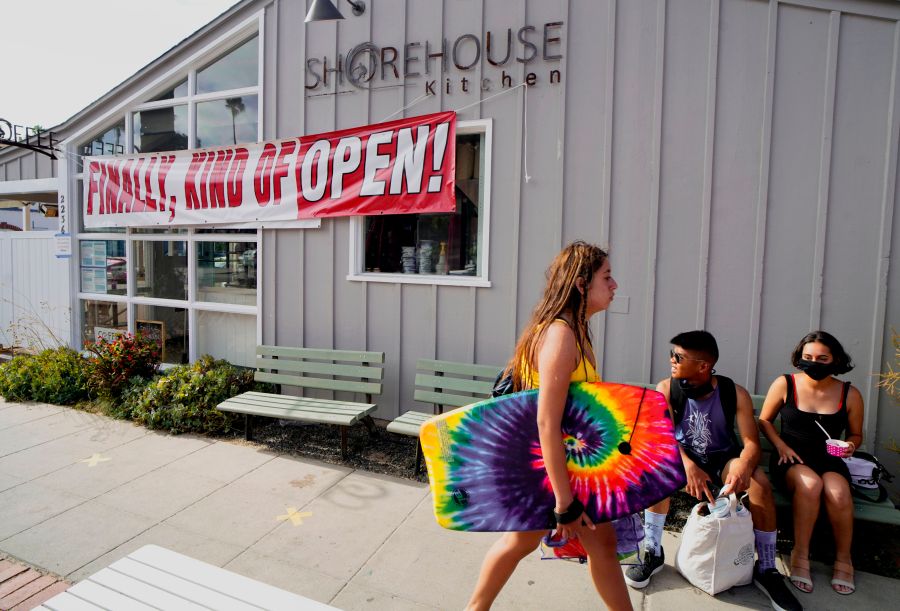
column 678, row 357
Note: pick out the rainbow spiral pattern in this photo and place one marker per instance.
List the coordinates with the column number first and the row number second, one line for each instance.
column 487, row 472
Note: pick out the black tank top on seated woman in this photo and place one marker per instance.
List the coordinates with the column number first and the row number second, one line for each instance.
column 799, row 431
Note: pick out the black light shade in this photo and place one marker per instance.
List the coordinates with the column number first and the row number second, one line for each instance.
column 323, row 10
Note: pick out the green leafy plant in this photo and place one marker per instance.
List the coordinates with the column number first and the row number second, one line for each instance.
column 54, row 375
column 184, row 399
column 115, row 362
column 889, row 379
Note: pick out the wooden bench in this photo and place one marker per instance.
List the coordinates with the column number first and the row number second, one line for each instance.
column 153, row 577
column 312, row 368
column 443, row 384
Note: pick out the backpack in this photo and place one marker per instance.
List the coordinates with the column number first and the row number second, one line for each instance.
column 866, row 473
column 727, row 397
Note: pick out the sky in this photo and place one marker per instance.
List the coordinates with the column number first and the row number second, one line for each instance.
column 61, row 55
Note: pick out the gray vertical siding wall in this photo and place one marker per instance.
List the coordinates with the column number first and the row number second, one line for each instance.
column 737, row 156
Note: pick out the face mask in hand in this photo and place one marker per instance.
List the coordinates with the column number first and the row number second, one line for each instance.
column 817, row 371
column 695, row 392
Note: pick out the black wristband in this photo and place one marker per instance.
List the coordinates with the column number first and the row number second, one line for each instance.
column 571, row 514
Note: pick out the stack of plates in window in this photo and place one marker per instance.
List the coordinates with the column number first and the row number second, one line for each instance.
column 408, row 259
column 426, row 265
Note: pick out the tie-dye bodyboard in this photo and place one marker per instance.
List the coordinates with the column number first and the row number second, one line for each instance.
column 487, row 472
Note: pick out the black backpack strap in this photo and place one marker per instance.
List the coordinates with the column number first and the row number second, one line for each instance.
column 677, row 400
column 858, row 493
column 728, row 398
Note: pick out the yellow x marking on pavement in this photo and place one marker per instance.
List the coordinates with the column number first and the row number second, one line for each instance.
column 93, row 460
column 295, row 516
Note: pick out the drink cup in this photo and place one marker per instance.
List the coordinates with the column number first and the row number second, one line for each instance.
column 719, row 508
column 836, row 447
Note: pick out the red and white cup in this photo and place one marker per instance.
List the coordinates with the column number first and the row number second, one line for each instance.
column 836, row 447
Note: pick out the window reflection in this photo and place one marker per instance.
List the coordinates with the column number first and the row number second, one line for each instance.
column 236, row 69
column 179, row 91
column 161, row 129
column 226, row 272
column 160, row 269
column 102, row 319
column 227, row 121
column 109, row 142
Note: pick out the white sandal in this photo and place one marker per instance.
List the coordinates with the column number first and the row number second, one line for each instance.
column 843, row 567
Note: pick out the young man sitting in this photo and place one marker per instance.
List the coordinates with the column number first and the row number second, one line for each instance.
column 704, row 408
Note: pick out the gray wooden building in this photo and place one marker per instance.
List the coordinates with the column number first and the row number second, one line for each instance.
column 738, row 157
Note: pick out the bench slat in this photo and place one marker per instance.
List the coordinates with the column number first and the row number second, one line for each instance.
column 481, row 371
column 321, row 383
column 287, row 401
column 104, row 598
column 315, row 414
column 141, row 589
column 283, row 365
column 431, row 382
column 321, row 354
column 408, row 424
column 443, row 398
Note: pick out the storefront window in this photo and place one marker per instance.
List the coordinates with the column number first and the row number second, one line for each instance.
column 161, row 129
column 78, row 198
column 108, row 142
column 227, row 336
column 228, row 121
column 102, row 319
column 103, row 267
column 160, row 269
column 434, row 244
column 237, row 69
column 179, row 91
column 170, row 325
column 226, row 272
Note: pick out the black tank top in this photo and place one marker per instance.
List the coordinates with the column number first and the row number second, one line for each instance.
column 799, row 427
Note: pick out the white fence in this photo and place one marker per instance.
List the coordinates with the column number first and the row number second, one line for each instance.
column 35, row 311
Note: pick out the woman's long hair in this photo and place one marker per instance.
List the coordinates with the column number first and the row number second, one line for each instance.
column 561, row 295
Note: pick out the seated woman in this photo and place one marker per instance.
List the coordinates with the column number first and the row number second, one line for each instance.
column 808, row 402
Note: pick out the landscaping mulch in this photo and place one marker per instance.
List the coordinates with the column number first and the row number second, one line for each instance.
column 876, row 547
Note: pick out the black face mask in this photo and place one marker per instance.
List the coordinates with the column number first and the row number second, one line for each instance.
column 817, row 371
column 695, row 392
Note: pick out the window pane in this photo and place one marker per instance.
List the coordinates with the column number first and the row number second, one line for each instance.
column 226, row 272
column 227, row 336
column 179, row 91
column 445, row 244
column 109, row 142
column 236, row 69
column 157, row 231
column 161, row 129
column 160, row 269
column 231, row 231
column 103, row 266
column 172, row 324
column 102, row 319
column 228, row 121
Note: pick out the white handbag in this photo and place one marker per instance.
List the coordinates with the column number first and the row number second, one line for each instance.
column 716, row 551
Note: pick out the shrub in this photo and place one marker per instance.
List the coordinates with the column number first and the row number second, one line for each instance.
column 115, row 363
column 184, row 399
column 55, row 375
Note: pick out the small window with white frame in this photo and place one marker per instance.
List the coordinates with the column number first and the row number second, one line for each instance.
column 438, row 248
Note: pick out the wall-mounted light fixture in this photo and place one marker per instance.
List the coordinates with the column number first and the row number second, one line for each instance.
column 325, row 10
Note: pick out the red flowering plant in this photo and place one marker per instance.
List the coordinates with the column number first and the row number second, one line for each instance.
column 115, row 362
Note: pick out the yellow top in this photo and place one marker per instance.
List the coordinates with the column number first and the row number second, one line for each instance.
column 585, row 372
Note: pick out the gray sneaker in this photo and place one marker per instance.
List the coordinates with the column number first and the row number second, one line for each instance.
column 638, row 576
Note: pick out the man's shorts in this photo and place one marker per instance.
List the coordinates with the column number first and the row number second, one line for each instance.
column 714, row 463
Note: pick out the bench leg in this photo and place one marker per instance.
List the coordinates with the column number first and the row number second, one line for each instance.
column 248, row 430
column 418, row 457
column 370, row 424
column 343, row 442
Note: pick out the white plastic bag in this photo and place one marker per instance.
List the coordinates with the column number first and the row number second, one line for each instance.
column 717, row 552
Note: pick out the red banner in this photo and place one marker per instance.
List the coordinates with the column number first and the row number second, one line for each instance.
column 399, row 167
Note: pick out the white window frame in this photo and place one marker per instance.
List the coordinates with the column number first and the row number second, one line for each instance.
column 357, row 229
column 253, row 25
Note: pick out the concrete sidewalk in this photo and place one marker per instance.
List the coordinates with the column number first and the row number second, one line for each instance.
column 79, row 491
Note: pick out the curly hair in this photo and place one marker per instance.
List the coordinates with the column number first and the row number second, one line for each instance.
column 561, row 295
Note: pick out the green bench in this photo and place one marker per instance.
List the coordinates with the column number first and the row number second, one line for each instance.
column 312, row 368
column 443, row 384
